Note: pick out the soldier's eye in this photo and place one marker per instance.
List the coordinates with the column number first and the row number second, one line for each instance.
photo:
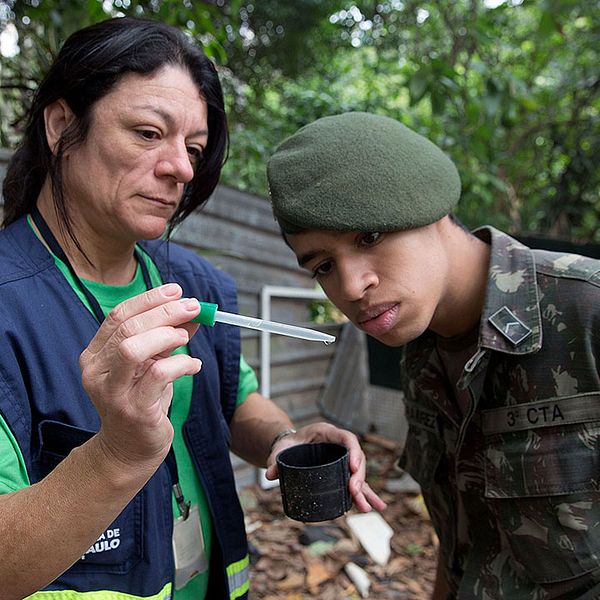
column 370, row 238
column 322, row 270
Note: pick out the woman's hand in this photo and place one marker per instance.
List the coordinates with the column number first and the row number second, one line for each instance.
column 128, row 370
column 364, row 498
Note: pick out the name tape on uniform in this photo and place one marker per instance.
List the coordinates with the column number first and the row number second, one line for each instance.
column 542, row 413
column 421, row 417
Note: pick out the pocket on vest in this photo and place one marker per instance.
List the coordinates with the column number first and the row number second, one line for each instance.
column 56, row 442
column 120, row 546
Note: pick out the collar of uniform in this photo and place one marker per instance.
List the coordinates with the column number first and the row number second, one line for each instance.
column 511, row 292
column 33, row 255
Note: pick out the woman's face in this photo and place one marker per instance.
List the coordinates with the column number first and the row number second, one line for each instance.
column 146, row 135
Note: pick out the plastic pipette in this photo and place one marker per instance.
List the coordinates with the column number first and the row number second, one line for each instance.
column 209, row 315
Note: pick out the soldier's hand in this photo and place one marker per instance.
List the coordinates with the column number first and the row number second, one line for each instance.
column 364, row 498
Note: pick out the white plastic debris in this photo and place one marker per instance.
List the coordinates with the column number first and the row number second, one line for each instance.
column 374, row 535
column 405, row 483
column 359, row 578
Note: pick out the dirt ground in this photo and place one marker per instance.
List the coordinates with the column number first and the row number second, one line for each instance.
column 296, row 561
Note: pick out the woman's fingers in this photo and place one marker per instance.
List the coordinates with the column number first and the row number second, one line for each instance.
column 172, row 313
column 130, row 308
column 162, row 372
column 138, row 329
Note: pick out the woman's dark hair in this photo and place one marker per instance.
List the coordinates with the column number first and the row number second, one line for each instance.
column 87, row 67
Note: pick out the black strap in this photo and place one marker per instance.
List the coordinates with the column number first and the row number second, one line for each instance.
column 57, row 250
column 48, row 236
column 184, row 507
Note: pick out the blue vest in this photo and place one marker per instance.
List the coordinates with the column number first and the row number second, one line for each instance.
column 43, row 329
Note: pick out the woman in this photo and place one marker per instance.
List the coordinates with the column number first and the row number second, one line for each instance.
column 98, row 371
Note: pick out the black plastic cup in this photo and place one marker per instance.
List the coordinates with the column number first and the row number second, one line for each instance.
column 314, row 481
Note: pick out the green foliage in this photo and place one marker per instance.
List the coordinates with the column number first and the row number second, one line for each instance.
column 414, row 549
column 43, row 25
column 511, row 93
column 324, row 311
column 511, row 90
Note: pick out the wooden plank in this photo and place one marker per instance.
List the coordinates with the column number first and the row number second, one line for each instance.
column 252, row 276
column 236, row 240
column 253, row 211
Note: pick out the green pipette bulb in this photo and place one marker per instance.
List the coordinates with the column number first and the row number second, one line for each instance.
column 209, row 315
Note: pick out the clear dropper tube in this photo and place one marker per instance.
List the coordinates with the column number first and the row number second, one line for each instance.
column 273, row 327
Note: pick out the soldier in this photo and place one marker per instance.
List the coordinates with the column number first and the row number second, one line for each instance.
column 500, row 368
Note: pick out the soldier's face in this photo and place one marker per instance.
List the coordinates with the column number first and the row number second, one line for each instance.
column 390, row 284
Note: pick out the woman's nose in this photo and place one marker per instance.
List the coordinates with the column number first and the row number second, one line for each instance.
column 175, row 162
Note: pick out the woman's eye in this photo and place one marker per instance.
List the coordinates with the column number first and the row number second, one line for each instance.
column 149, row 134
column 370, row 238
column 196, row 154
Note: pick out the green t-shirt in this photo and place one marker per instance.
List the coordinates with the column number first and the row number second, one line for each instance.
column 13, row 474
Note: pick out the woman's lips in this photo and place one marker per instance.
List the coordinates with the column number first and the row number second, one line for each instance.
column 378, row 320
column 159, row 200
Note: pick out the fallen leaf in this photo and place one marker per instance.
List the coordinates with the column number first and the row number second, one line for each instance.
column 294, row 580
column 317, row 573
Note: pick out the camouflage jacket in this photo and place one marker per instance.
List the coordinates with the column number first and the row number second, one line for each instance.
column 513, row 485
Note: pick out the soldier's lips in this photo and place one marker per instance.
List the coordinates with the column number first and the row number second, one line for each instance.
column 378, row 320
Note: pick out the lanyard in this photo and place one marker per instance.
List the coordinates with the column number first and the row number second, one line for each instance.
column 56, row 249
column 48, row 237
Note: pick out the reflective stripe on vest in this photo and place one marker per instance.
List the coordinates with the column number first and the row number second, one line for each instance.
column 237, row 578
column 164, row 594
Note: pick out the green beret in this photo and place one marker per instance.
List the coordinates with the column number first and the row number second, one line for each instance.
column 360, row 172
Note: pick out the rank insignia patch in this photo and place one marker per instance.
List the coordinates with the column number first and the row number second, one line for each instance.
column 510, row 326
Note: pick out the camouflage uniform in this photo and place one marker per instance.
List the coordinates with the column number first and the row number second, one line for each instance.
column 513, row 483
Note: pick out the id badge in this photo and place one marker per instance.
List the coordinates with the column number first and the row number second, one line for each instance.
column 188, row 548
